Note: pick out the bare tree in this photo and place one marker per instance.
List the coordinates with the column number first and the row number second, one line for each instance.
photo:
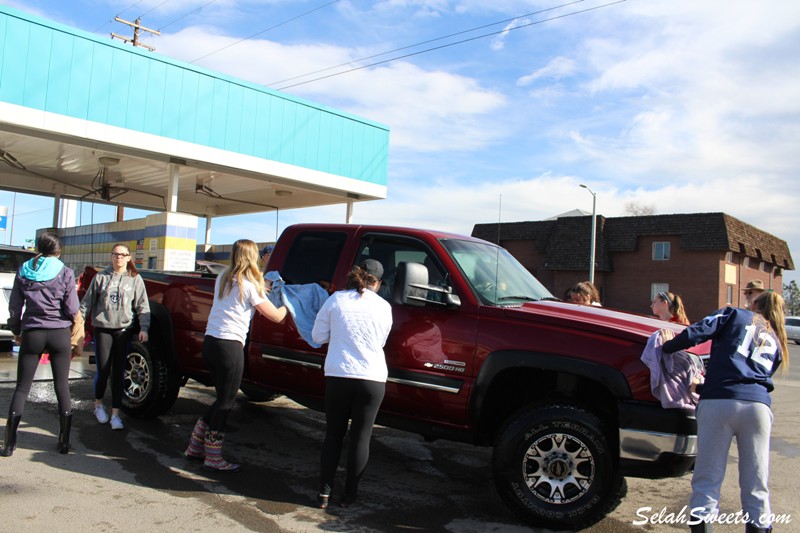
column 791, row 294
column 639, row 210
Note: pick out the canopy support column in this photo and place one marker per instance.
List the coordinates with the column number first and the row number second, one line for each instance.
column 172, row 188
column 207, row 244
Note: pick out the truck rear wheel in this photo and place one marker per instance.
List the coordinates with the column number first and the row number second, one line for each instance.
column 258, row 394
column 148, row 390
column 552, row 464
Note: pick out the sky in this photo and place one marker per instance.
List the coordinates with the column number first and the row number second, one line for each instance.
column 678, row 106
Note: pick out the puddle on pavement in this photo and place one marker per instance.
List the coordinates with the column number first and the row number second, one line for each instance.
column 79, row 368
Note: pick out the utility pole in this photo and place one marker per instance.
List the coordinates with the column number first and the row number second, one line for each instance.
column 136, row 28
column 594, row 232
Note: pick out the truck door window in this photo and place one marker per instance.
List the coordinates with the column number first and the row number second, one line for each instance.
column 313, row 257
column 391, row 252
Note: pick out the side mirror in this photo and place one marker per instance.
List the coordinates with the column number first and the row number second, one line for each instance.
column 411, row 288
column 410, row 284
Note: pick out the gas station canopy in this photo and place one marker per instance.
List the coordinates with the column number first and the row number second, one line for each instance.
column 87, row 118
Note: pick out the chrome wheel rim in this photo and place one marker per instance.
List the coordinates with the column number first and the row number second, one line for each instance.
column 137, row 377
column 558, row 468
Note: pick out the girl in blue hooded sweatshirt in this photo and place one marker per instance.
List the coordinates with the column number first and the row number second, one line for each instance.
column 45, row 289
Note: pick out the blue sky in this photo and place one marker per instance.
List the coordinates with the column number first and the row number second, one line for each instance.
column 678, row 105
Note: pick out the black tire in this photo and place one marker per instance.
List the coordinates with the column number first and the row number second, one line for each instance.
column 258, row 394
column 148, row 390
column 552, row 464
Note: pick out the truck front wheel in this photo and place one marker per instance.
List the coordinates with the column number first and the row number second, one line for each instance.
column 553, row 465
column 147, row 388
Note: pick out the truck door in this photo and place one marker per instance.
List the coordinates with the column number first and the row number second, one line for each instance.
column 430, row 350
column 278, row 356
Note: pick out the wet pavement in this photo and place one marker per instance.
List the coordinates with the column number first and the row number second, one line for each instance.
column 79, row 369
column 137, row 479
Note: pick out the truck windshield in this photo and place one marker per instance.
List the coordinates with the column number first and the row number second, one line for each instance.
column 494, row 274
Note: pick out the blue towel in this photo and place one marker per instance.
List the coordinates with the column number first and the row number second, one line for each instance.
column 302, row 301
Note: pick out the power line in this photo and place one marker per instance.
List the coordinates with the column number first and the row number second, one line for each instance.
column 451, row 44
column 186, row 15
column 130, row 7
column 266, row 30
column 153, row 9
column 170, row 23
column 425, row 42
column 33, row 212
column 118, row 14
column 101, row 25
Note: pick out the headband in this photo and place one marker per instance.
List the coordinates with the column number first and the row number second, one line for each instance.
column 666, row 298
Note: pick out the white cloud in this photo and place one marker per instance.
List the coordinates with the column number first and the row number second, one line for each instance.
column 556, row 69
column 426, row 110
column 499, row 41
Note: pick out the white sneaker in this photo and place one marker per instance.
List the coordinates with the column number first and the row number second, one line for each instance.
column 100, row 414
column 116, row 422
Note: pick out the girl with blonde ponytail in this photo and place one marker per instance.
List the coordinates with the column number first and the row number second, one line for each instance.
column 239, row 292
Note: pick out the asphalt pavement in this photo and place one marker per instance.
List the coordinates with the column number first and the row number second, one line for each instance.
column 137, row 479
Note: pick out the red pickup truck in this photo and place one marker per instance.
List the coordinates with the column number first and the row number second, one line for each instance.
column 480, row 352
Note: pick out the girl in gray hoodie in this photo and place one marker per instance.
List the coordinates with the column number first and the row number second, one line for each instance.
column 115, row 295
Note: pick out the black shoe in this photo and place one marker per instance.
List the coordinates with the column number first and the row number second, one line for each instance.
column 65, row 420
column 10, row 439
column 348, row 500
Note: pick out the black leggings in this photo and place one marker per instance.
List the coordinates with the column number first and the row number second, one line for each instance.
column 345, row 399
column 111, row 348
column 34, row 342
column 225, row 359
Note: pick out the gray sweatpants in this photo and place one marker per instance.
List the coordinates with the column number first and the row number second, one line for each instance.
column 718, row 421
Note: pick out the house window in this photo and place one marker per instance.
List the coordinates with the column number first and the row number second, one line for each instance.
column 661, row 251
column 655, row 288
column 729, row 295
column 729, row 257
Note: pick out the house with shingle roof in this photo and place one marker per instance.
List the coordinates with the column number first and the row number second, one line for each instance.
column 707, row 258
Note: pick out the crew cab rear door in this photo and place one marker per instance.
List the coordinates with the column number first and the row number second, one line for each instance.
column 278, row 357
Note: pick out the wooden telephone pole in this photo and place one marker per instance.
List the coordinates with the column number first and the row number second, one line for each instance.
column 136, row 28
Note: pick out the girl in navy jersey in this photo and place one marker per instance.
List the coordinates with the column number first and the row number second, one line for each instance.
column 747, row 348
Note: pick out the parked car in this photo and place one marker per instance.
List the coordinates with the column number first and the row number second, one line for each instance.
column 11, row 258
column 793, row 328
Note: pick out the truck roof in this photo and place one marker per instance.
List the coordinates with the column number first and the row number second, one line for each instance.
column 355, row 228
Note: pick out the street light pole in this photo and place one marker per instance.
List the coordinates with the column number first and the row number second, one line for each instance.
column 594, row 231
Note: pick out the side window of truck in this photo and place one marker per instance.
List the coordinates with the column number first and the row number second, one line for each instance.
column 313, row 257
column 391, row 251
